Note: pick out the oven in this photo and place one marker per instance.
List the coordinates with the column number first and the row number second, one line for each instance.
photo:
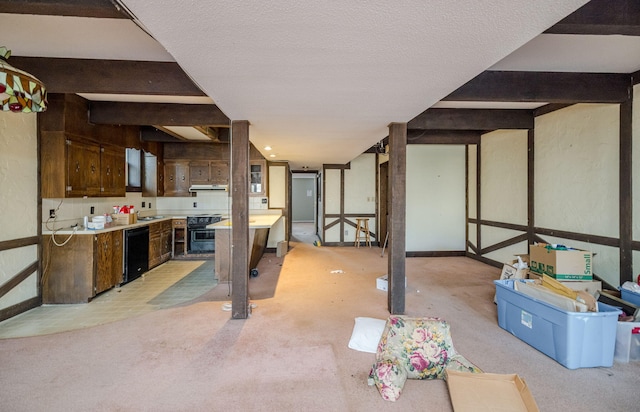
column 199, row 238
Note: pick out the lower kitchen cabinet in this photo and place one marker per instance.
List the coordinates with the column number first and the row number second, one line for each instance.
column 160, row 242
column 83, row 267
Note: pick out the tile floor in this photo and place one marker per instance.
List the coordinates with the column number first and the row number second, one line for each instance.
column 169, row 284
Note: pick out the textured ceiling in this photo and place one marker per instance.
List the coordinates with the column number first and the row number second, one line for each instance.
column 320, row 81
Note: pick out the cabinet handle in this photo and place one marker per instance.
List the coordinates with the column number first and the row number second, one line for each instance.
column 77, row 166
column 171, row 178
column 183, row 178
column 108, row 170
column 93, row 168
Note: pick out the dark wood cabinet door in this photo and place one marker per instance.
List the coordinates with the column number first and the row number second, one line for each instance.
column 113, row 162
column 219, row 172
column 199, row 173
column 155, row 244
column 103, row 253
column 117, row 256
column 83, row 169
column 176, row 178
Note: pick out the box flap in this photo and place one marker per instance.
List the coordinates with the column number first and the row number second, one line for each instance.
column 489, row 392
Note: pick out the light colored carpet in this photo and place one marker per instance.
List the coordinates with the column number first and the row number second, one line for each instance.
column 291, row 354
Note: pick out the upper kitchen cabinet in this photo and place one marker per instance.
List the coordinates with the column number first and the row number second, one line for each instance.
column 82, row 167
column 112, row 165
column 205, row 172
column 258, row 169
column 153, row 176
column 77, row 158
column 176, row 178
column 89, row 168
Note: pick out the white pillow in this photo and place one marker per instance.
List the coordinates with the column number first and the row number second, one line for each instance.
column 366, row 334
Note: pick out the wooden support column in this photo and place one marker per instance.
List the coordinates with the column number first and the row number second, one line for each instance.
column 240, row 252
column 626, row 197
column 531, row 224
column 397, row 217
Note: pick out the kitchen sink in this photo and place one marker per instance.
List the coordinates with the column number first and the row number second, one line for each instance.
column 148, row 218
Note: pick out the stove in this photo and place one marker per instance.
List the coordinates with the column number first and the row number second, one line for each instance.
column 199, row 238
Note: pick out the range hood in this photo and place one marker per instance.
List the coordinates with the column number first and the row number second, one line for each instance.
column 222, row 188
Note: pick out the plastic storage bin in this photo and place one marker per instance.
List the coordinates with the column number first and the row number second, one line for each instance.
column 630, row 296
column 573, row 339
column 627, row 342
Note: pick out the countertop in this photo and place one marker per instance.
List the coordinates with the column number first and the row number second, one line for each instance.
column 110, row 227
column 255, row 222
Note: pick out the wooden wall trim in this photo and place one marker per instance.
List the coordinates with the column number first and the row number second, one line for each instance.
column 436, row 253
column 18, row 278
column 19, row 308
column 16, row 243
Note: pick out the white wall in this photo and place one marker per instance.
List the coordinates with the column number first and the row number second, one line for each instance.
column 435, row 198
column 18, row 200
column 503, row 174
column 576, row 178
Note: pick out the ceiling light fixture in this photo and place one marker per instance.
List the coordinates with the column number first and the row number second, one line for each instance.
column 267, row 148
column 272, row 155
column 20, row 92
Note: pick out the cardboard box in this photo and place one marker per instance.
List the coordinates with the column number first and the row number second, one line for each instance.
column 574, row 264
column 382, row 282
column 509, row 272
column 573, row 339
column 480, row 392
column 282, row 248
column 590, row 286
column 121, row 219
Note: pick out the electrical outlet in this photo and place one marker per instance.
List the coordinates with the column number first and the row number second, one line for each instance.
column 93, row 210
column 149, row 205
column 346, row 233
column 195, row 204
column 143, row 204
column 52, row 213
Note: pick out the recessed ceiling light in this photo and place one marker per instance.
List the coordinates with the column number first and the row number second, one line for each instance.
column 267, row 148
column 272, row 155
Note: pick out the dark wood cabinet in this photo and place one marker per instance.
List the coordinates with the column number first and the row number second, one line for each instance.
column 160, row 242
column 179, row 238
column 209, row 172
column 176, row 178
column 109, row 266
column 257, row 176
column 112, row 169
column 83, row 169
column 219, row 172
column 74, row 167
column 86, row 265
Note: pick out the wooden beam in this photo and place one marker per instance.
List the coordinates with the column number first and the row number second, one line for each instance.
column 603, row 17
column 444, row 136
column 80, row 8
column 162, row 114
column 547, row 87
column 397, row 217
column 240, row 252
column 62, row 75
column 626, row 191
column 472, row 119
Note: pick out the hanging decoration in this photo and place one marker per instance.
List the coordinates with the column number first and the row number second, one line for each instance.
column 20, row 92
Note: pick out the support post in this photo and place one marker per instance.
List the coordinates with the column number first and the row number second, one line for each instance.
column 240, row 219
column 397, row 217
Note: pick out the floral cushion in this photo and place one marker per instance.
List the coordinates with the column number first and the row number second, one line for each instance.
column 414, row 348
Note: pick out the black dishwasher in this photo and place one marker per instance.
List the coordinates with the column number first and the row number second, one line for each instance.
column 136, row 253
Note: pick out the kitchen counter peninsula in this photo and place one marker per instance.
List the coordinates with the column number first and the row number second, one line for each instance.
column 259, row 226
